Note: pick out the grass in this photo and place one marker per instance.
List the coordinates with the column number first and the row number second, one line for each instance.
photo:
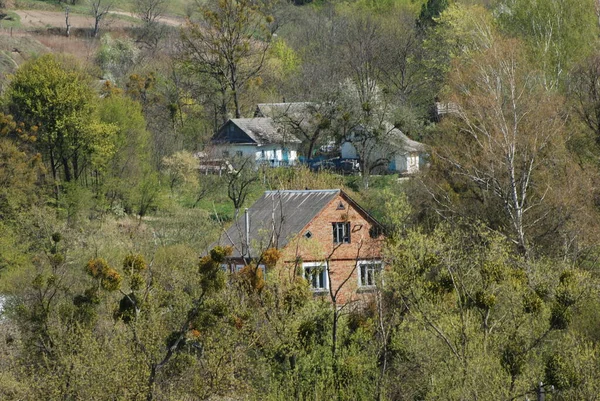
column 175, row 7
column 37, row 5
column 12, row 20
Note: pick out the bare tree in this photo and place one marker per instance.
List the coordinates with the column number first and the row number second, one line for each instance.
column 229, row 44
column 150, row 12
column 585, row 88
column 310, row 122
column 99, row 9
column 239, row 182
column 68, row 30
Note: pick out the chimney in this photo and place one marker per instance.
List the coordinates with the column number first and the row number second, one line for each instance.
column 247, row 232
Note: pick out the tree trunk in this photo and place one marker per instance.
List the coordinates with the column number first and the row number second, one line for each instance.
column 68, row 31
column 67, row 169
column 96, row 26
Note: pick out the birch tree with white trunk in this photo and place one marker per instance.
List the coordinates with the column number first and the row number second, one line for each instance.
column 509, row 134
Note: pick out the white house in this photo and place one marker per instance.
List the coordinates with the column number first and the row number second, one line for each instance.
column 391, row 149
column 261, row 139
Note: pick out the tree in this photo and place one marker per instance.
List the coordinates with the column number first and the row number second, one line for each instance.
column 363, row 119
column 150, row 12
column 430, row 11
column 558, row 33
column 229, row 44
column 181, row 168
column 475, row 323
column 508, row 134
column 116, row 57
column 239, row 182
column 130, row 162
column 99, row 9
column 310, row 122
column 54, row 99
column 584, row 88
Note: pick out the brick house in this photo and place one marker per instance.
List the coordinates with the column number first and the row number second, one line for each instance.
column 323, row 235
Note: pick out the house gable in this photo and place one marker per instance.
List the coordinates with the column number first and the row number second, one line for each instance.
column 231, row 133
column 254, row 131
column 317, row 239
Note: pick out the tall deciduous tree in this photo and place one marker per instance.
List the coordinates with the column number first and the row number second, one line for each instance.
column 229, row 44
column 509, row 133
column 55, row 98
column 585, row 89
column 558, row 32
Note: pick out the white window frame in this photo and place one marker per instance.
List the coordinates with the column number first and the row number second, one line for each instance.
column 324, row 286
column 369, row 263
column 346, row 229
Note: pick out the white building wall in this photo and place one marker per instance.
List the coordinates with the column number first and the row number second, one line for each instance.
column 272, row 154
column 348, row 151
column 407, row 163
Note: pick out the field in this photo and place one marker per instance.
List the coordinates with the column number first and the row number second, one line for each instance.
column 32, row 27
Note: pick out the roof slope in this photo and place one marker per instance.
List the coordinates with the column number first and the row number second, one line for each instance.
column 284, row 213
column 399, row 140
column 262, row 131
column 392, row 136
column 275, row 110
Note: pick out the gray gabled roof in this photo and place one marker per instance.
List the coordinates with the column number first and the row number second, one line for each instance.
column 396, row 139
column 262, row 131
column 275, row 110
column 400, row 141
column 275, row 219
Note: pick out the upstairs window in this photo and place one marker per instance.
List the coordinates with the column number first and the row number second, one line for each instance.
column 369, row 272
column 341, row 233
column 316, row 274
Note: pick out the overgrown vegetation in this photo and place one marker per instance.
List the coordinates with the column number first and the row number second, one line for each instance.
column 110, row 287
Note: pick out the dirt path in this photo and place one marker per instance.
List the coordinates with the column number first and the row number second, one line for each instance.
column 37, row 19
column 173, row 21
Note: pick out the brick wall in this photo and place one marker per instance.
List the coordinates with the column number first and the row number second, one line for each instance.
column 342, row 257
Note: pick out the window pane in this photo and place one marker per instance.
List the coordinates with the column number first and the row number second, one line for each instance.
column 316, row 276
column 363, row 274
column 347, row 233
column 369, row 272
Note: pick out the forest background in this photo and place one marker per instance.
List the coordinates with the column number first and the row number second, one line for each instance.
column 108, row 288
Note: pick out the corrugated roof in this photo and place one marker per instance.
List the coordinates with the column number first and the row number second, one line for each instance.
column 264, row 131
column 284, row 213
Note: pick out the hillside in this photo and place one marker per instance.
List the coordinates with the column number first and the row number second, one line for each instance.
column 300, row 200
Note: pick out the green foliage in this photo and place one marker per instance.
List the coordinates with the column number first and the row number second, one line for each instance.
column 181, row 169
column 459, row 313
column 116, row 57
column 430, row 11
column 558, row 32
column 54, row 99
column 464, row 281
